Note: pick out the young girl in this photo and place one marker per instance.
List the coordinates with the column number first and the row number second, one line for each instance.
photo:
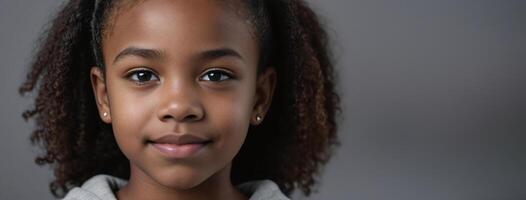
column 172, row 99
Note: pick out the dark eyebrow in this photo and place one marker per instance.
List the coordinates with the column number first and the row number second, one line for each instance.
column 155, row 54
column 152, row 54
column 217, row 53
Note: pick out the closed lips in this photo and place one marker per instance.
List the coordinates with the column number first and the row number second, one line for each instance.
column 180, row 146
column 181, row 139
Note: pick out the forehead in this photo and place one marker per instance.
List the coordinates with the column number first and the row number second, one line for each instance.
column 237, row 7
column 177, row 25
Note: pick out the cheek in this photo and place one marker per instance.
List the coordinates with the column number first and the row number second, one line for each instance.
column 130, row 112
column 230, row 118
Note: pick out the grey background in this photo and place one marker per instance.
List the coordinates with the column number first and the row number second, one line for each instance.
column 433, row 94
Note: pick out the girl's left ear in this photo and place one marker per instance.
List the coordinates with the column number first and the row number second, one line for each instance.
column 265, row 86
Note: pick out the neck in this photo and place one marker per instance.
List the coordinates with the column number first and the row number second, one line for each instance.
column 142, row 186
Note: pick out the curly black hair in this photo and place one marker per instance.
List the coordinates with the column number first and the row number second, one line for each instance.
column 300, row 127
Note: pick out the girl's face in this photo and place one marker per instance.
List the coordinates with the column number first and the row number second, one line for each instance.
column 181, row 68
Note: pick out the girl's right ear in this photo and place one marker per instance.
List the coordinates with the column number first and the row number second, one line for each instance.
column 100, row 93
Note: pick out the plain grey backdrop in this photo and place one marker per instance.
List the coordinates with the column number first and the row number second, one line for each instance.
column 433, row 96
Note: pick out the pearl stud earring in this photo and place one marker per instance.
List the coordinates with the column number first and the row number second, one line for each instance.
column 105, row 114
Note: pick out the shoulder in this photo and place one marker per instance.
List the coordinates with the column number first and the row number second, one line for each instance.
column 262, row 190
column 102, row 187
column 99, row 187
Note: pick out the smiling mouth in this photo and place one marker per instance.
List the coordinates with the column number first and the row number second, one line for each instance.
column 179, row 146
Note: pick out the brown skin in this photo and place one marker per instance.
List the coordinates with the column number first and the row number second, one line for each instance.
column 181, row 96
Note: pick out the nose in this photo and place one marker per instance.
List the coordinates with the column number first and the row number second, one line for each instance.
column 179, row 103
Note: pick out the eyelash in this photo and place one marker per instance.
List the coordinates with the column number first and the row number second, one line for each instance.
column 137, row 72
column 136, row 80
column 222, row 73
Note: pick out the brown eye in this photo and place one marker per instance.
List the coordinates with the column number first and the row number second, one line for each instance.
column 216, row 76
column 142, row 76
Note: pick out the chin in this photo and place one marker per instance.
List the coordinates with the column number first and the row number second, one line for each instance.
column 182, row 180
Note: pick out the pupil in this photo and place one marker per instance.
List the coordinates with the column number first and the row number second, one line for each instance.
column 143, row 76
column 214, row 76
